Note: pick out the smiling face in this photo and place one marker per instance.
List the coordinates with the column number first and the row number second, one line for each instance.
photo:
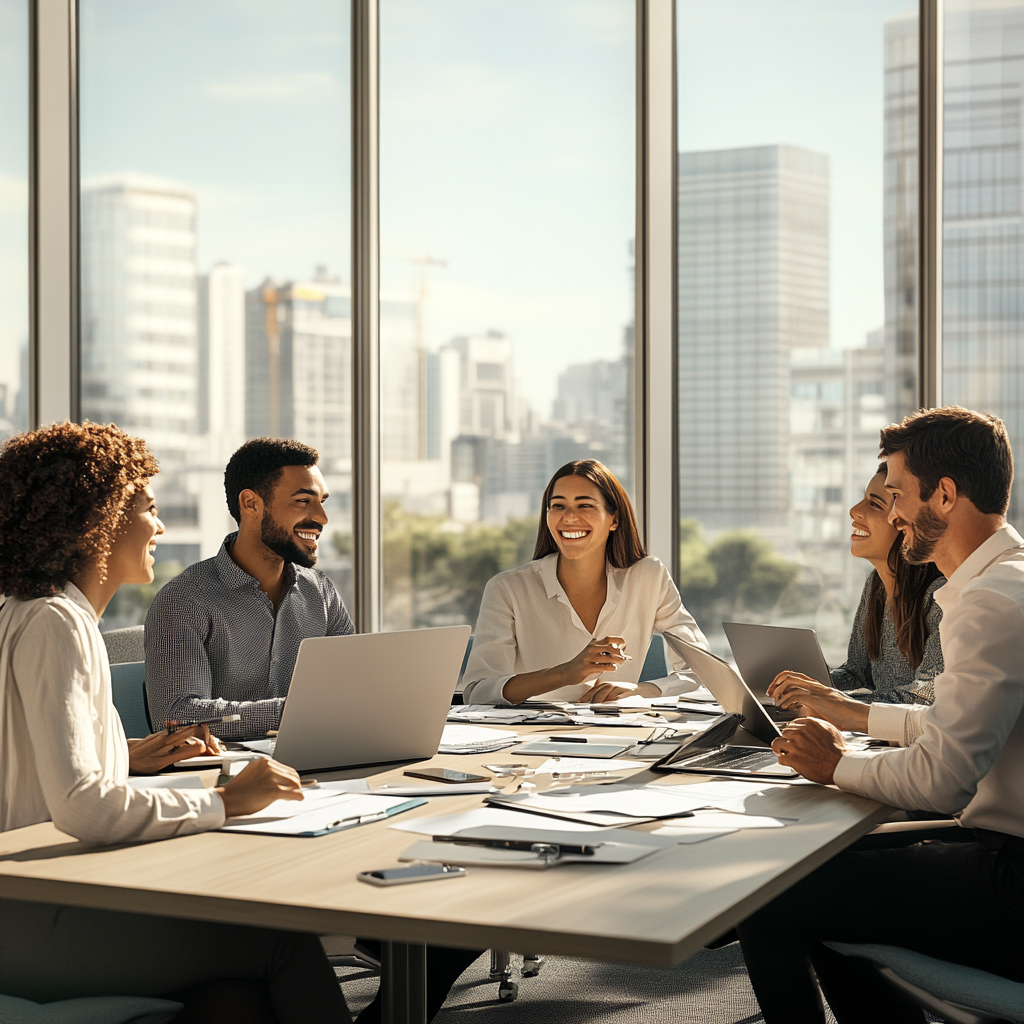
column 578, row 519
column 873, row 534
column 131, row 555
column 294, row 518
column 922, row 526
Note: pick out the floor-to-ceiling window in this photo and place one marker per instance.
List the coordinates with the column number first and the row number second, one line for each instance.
column 215, row 281
column 14, row 235
column 507, row 217
column 796, row 316
column 983, row 213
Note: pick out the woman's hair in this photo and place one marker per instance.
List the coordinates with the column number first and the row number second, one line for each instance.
column 63, row 493
column 624, row 546
column 908, row 598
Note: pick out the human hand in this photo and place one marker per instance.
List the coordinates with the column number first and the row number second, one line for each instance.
column 160, row 749
column 598, row 656
column 261, row 782
column 811, row 747
column 792, row 690
column 601, row 693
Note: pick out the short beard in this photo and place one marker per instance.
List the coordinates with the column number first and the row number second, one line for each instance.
column 281, row 542
column 928, row 529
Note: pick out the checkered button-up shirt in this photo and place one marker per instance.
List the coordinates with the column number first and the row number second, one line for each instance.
column 215, row 647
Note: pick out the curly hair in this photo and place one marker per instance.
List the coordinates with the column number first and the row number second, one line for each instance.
column 257, row 466
column 63, row 493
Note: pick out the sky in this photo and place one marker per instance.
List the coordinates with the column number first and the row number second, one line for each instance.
column 507, row 144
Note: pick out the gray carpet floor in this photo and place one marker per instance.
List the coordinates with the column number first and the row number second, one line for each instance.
column 710, row 988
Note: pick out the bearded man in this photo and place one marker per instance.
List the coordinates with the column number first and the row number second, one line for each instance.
column 222, row 638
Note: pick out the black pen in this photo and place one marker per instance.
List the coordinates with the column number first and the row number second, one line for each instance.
column 567, row 739
column 175, row 726
column 525, row 845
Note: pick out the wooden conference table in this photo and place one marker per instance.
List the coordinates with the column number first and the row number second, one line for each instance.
column 657, row 911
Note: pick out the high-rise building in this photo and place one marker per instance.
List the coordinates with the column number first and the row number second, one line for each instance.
column 488, row 403
column 140, row 356
column 900, row 216
column 298, row 341
column 753, row 286
column 837, row 407
column 983, row 213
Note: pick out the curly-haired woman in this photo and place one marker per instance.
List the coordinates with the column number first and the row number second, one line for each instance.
column 591, row 595
column 78, row 519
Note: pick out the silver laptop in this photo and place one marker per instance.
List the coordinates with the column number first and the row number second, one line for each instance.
column 369, row 698
column 712, row 754
column 762, row 652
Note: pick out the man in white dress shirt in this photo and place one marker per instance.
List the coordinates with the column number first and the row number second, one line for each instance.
column 960, row 897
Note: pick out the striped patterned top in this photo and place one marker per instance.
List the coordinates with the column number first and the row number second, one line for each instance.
column 889, row 679
column 215, row 647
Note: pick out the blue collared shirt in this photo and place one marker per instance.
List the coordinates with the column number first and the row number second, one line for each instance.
column 215, row 647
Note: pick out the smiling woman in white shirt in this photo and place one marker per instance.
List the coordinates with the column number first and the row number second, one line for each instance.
column 575, row 623
column 77, row 519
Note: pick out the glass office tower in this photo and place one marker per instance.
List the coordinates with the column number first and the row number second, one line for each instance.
column 753, row 286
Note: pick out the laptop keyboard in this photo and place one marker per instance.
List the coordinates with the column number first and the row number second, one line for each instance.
column 734, row 757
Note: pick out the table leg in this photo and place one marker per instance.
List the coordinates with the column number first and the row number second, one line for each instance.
column 403, row 982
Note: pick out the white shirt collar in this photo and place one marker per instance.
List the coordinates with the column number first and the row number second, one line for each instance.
column 72, row 592
column 1005, row 538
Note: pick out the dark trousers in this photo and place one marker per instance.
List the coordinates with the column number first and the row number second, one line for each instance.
column 444, row 965
column 959, row 901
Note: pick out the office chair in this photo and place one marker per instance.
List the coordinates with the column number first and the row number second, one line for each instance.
column 128, row 685
column 125, row 644
column 957, row 994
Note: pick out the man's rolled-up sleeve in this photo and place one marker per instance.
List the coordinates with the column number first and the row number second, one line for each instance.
column 954, row 742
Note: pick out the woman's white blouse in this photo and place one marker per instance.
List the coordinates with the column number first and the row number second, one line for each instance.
column 527, row 623
column 63, row 752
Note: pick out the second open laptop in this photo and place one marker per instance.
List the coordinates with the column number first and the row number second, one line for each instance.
column 762, row 652
column 710, row 753
column 369, row 698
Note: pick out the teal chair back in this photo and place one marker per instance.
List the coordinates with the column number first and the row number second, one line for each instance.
column 655, row 665
column 129, row 685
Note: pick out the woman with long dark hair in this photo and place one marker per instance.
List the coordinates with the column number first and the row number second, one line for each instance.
column 584, row 608
column 894, row 654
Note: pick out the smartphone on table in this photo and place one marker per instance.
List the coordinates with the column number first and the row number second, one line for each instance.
column 414, row 873
column 445, row 775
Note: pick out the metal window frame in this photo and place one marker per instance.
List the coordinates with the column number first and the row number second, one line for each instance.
column 55, row 326
column 54, row 308
column 929, row 219
column 366, row 504
column 655, row 347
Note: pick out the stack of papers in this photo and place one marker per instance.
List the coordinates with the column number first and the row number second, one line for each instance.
column 506, row 715
column 466, row 739
column 494, row 821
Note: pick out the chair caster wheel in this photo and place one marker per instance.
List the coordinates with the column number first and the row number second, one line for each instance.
column 532, row 966
column 507, row 991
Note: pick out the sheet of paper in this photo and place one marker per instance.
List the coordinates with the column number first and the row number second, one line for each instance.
column 319, row 811
column 166, row 782
column 586, row 764
column 206, row 760
column 730, row 820
column 629, row 801
column 265, row 746
column 452, row 824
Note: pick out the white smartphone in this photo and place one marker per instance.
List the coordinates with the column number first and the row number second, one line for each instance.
column 414, row 873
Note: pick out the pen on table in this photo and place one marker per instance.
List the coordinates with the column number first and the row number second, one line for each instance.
column 175, row 726
column 358, row 819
